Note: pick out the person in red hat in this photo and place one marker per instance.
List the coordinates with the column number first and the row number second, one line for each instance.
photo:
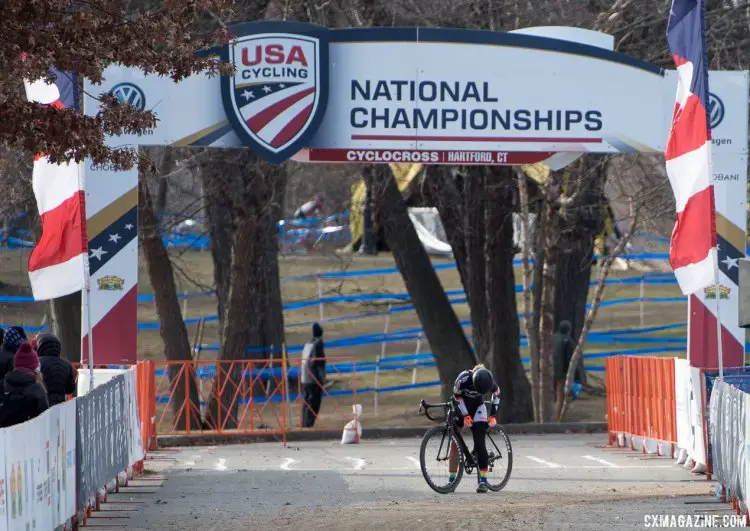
column 24, row 396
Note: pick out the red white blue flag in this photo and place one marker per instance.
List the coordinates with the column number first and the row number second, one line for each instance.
column 59, row 261
column 692, row 252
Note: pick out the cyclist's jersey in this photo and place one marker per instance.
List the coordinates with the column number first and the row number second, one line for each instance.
column 470, row 401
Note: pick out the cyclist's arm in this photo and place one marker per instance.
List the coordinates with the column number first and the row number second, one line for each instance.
column 458, row 391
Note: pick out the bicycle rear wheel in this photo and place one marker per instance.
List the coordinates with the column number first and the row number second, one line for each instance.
column 500, row 454
column 434, row 457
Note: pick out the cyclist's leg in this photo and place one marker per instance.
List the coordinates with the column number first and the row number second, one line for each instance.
column 452, row 462
column 478, row 432
column 453, row 450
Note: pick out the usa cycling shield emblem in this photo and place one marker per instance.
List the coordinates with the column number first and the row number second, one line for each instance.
column 278, row 94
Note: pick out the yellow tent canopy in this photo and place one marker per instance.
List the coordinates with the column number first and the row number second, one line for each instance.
column 403, row 174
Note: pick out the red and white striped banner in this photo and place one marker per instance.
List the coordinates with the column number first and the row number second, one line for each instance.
column 58, row 263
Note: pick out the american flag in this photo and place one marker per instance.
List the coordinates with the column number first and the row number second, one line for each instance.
column 692, row 252
column 275, row 112
column 58, row 262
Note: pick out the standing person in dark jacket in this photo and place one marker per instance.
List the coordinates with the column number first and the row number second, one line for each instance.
column 24, row 396
column 313, row 376
column 59, row 375
column 14, row 336
column 564, row 346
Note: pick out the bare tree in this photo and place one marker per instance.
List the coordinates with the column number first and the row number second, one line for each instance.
column 173, row 331
column 443, row 331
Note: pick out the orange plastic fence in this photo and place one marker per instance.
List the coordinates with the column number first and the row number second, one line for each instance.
column 246, row 397
column 146, row 406
column 641, row 398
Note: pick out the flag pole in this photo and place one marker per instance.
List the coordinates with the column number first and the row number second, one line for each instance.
column 86, row 295
column 717, row 294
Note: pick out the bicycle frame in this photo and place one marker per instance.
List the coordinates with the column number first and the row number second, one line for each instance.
column 467, row 461
column 447, row 406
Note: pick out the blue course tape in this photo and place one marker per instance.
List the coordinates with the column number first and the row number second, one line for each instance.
column 395, row 363
column 164, row 399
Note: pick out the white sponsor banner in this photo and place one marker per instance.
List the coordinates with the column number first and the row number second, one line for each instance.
column 39, row 471
column 696, row 404
column 135, row 442
column 424, row 95
column 101, row 376
column 682, row 396
column 728, row 111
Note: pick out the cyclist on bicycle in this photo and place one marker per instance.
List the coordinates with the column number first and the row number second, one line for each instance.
column 469, row 391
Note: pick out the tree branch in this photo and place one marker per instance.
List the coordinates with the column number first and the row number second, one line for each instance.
column 591, row 315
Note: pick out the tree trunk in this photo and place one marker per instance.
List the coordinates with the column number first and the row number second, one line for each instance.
column 532, row 333
column 449, row 345
column 502, row 328
column 583, row 221
column 591, row 314
column 161, row 196
column 268, row 264
column 254, row 314
column 65, row 322
column 546, row 326
column 441, row 189
column 474, row 230
column 217, row 193
column 572, row 285
column 173, row 331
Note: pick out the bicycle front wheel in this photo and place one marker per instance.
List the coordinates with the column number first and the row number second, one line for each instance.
column 440, row 457
column 500, row 454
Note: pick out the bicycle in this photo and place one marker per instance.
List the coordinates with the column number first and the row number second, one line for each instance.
column 450, row 435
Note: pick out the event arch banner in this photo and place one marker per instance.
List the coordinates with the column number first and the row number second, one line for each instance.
column 411, row 95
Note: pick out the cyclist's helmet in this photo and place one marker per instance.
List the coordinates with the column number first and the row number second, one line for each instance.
column 483, row 380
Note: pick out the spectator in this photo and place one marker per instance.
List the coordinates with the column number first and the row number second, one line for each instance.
column 24, row 396
column 14, row 336
column 564, row 346
column 313, row 376
column 310, row 208
column 59, row 375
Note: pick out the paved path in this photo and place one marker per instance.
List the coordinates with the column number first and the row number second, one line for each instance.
column 558, row 482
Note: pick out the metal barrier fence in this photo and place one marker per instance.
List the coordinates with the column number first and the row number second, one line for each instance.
column 247, row 397
column 641, row 402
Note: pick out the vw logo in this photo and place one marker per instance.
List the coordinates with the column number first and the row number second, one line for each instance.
column 715, row 110
column 130, row 94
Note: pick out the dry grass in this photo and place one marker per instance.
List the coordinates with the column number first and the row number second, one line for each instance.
column 395, row 409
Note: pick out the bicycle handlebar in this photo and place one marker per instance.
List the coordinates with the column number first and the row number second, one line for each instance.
column 424, row 407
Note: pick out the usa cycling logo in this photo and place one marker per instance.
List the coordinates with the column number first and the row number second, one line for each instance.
column 715, row 110
column 130, row 94
column 277, row 96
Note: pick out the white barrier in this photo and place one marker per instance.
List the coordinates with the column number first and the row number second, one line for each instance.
column 682, row 411
column 136, row 452
column 41, row 475
column 100, row 376
column 690, row 416
column 730, row 431
column 696, row 387
column 38, row 475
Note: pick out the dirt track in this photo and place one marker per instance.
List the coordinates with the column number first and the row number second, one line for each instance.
column 558, row 482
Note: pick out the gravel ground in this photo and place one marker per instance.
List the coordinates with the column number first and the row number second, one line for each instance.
column 558, row 482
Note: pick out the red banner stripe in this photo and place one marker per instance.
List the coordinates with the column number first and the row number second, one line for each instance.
column 704, row 351
column 264, row 117
column 694, row 234
column 117, row 330
column 678, row 61
column 63, row 234
column 689, row 129
column 292, row 128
